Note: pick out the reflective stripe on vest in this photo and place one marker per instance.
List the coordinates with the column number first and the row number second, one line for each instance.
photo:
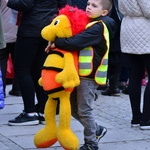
column 86, row 58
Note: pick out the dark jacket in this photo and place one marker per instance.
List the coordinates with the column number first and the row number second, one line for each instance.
column 81, row 4
column 116, row 57
column 36, row 14
column 117, row 16
column 92, row 36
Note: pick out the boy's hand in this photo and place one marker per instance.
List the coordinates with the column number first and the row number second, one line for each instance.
column 50, row 46
column 53, row 46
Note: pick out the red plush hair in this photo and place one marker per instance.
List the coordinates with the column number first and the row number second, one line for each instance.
column 77, row 17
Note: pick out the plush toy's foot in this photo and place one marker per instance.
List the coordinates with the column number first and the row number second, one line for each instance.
column 45, row 138
column 68, row 140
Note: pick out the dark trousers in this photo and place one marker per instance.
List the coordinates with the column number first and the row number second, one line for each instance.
column 114, row 75
column 124, row 76
column 28, row 59
column 138, row 65
column 10, row 47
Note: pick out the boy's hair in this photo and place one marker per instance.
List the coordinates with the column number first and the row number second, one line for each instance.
column 106, row 4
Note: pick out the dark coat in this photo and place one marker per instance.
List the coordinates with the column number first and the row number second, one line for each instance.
column 117, row 16
column 115, row 54
column 36, row 14
column 79, row 3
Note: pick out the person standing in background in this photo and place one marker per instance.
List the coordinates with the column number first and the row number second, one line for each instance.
column 10, row 31
column 135, row 40
column 30, row 55
column 115, row 55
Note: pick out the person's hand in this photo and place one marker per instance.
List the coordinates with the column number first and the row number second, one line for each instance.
column 48, row 48
column 6, row 1
column 53, row 46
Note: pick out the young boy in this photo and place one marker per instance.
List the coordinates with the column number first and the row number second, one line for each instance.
column 93, row 44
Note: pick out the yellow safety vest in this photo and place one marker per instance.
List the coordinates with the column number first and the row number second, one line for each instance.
column 86, row 59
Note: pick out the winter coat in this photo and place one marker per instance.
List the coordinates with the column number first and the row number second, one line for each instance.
column 2, row 40
column 117, row 16
column 92, row 36
column 115, row 55
column 135, row 27
column 1, row 92
column 36, row 14
column 10, row 29
column 80, row 4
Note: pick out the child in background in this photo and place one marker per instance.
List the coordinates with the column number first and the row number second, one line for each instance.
column 94, row 43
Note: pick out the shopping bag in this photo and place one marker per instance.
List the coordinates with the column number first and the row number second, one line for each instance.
column 10, row 68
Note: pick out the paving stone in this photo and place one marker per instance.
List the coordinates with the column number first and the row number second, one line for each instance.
column 111, row 112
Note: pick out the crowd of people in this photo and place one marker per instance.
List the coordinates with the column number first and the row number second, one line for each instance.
column 127, row 25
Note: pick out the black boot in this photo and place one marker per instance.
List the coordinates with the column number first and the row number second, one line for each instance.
column 126, row 90
column 111, row 92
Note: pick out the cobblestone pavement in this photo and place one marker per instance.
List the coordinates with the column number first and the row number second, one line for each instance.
column 111, row 112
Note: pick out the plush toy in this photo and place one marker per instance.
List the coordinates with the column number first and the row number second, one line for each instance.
column 59, row 76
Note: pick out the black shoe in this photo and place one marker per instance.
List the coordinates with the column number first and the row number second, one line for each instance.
column 135, row 123
column 24, row 119
column 125, row 90
column 145, row 125
column 15, row 93
column 111, row 92
column 100, row 132
column 88, row 147
column 41, row 118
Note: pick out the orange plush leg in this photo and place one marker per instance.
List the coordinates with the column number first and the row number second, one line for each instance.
column 47, row 135
column 66, row 137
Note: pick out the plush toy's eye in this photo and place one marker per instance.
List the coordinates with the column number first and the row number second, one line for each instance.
column 56, row 22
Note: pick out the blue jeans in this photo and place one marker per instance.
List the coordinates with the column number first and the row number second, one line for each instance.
column 28, row 60
column 82, row 99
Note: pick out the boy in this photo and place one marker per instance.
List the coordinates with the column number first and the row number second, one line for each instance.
column 96, row 39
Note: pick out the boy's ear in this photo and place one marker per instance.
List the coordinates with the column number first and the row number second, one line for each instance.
column 105, row 12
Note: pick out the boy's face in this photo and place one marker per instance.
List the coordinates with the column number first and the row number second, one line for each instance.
column 94, row 9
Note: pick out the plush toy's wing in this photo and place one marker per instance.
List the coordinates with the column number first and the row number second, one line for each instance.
column 69, row 77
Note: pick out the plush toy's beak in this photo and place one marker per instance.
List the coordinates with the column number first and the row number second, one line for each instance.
column 48, row 34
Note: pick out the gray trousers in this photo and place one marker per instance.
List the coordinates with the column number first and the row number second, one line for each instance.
column 82, row 99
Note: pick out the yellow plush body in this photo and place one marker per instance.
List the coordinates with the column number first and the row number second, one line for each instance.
column 58, row 78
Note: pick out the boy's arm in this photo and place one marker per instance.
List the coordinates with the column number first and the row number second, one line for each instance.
column 89, row 37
